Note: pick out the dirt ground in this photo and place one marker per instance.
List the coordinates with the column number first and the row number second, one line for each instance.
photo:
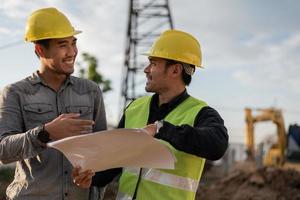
column 258, row 184
column 246, row 183
column 242, row 183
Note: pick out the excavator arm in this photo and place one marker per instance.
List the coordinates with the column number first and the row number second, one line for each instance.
column 276, row 155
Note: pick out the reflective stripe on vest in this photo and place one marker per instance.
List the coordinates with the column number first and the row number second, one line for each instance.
column 172, row 180
column 180, row 183
column 123, row 196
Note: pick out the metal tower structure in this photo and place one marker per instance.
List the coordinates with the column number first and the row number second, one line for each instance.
column 147, row 20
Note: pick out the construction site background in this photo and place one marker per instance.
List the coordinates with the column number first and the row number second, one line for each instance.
column 234, row 179
column 228, row 178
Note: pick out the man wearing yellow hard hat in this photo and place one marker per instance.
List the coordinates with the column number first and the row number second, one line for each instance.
column 50, row 104
column 193, row 130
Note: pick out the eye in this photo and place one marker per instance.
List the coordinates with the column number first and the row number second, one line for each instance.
column 153, row 64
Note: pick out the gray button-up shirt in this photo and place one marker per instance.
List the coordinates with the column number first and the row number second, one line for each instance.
column 41, row 172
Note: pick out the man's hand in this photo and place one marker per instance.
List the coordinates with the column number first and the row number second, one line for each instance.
column 82, row 179
column 67, row 125
column 150, row 129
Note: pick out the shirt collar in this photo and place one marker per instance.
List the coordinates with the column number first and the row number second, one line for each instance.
column 171, row 104
column 35, row 79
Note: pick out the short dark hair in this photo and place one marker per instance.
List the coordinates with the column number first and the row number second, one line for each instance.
column 186, row 78
column 45, row 43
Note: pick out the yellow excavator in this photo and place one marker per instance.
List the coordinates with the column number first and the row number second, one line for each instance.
column 285, row 152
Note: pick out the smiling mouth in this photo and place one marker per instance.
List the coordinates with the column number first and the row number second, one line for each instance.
column 69, row 61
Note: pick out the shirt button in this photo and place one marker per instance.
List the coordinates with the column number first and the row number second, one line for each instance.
column 66, row 172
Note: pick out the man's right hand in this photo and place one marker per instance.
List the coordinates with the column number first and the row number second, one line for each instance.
column 67, row 125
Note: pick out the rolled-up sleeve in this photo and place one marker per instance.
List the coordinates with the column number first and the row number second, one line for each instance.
column 14, row 143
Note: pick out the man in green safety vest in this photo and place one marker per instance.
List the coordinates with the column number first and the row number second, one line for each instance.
column 193, row 130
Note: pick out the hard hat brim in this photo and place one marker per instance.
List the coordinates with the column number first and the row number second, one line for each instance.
column 75, row 32
column 157, row 56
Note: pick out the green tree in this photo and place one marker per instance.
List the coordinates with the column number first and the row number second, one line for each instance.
column 92, row 74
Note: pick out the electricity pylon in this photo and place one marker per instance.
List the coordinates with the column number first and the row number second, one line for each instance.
column 147, row 20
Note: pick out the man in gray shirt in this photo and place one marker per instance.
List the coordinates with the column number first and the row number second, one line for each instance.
column 49, row 105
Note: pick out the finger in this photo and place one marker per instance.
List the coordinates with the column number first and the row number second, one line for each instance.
column 82, row 122
column 78, row 180
column 81, row 130
column 85, row 128
column 84, row 174
column 150, row 129
column 85, row 122
column 87, row 180
column 83, row 178
column 75, row 171
column 86, row 183
column 70, row 115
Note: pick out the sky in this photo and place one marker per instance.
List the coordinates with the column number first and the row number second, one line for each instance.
column 250, row 52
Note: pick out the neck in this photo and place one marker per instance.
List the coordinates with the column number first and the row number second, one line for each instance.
column 52, row 79
column 166, row 97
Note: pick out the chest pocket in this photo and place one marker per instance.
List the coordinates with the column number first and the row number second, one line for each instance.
column 39, row 112
column 84, row 111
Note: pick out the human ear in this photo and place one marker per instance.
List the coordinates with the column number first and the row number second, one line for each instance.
column 39, row 50
column 177, row 69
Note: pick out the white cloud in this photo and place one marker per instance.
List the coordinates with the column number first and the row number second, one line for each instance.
column 276, row 65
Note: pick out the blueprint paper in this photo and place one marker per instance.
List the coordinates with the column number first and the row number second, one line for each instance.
column 115, row 148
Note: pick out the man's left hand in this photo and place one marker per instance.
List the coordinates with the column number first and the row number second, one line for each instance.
column 150, row 129
column 82, row 179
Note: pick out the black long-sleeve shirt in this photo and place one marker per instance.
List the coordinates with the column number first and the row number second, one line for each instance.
column 207, row 138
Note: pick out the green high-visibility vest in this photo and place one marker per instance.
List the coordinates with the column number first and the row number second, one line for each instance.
column 156, row 184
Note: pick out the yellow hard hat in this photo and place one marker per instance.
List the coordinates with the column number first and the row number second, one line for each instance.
column 48, row 23
column 177, row 45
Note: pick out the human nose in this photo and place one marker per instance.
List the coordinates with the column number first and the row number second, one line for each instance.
column 147, row 69
column 72, row 51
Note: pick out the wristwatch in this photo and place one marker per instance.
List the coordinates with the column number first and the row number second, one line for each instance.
column 43, row 135
column 159, row 124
